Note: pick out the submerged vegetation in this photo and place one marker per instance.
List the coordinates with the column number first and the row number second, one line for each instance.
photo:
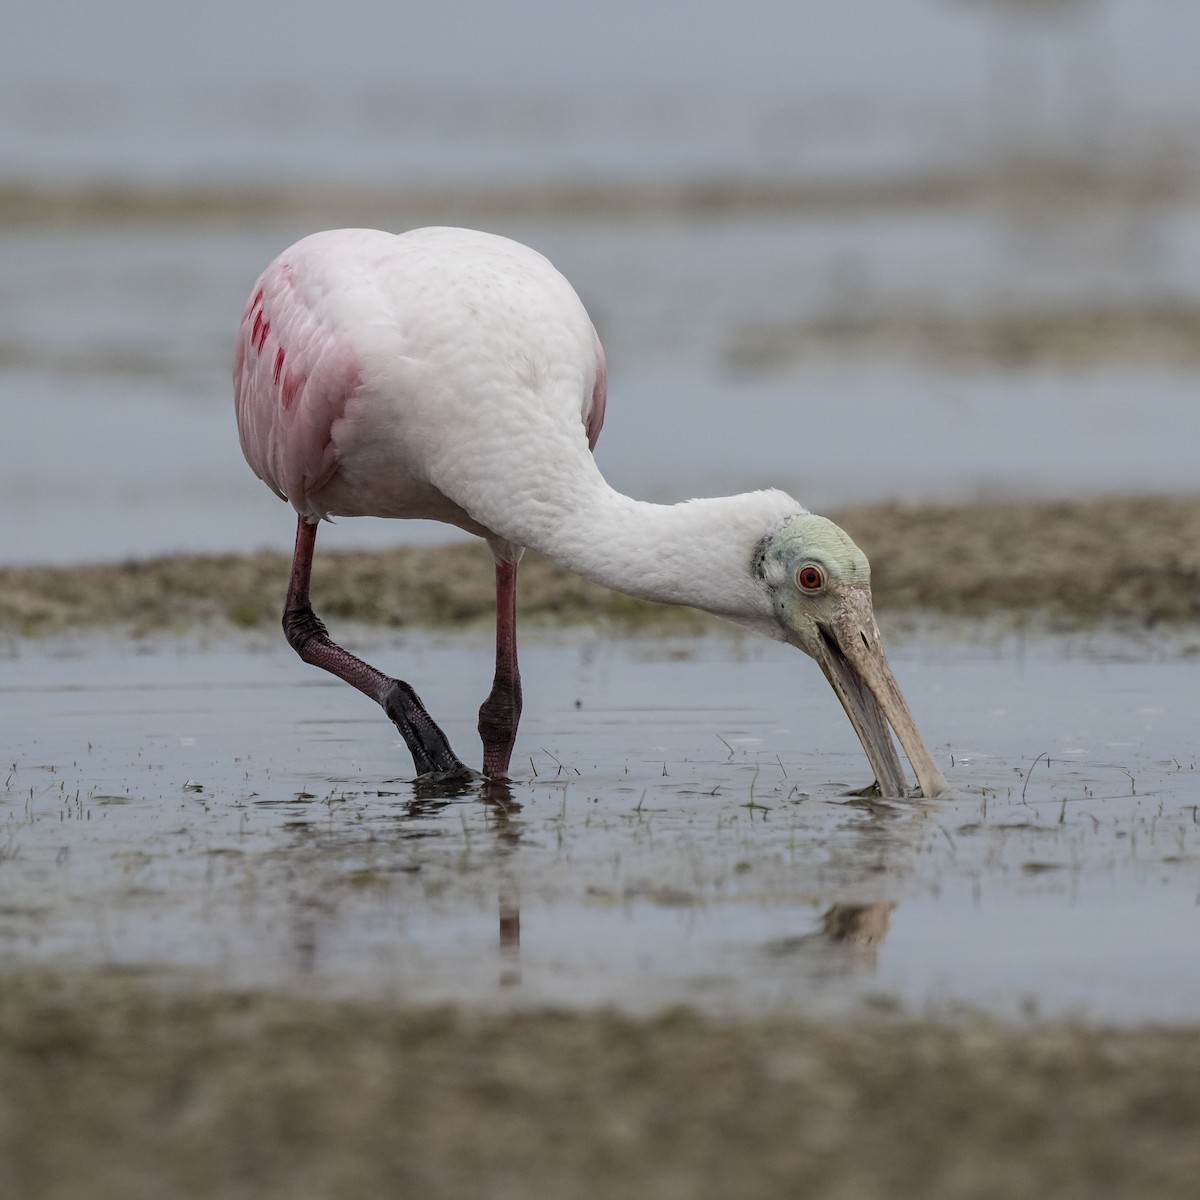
column 1134, row 561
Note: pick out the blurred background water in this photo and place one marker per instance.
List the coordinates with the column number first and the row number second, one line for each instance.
column 911, row 249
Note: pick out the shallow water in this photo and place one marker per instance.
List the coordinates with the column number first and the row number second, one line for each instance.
column 678, row 831
column 120, row 438
column 464, row 90
column 116, row 339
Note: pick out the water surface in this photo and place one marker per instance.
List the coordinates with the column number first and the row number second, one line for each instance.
column 120, row 439
column 678, row 830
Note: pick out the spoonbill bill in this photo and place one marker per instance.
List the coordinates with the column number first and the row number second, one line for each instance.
column 454, row 375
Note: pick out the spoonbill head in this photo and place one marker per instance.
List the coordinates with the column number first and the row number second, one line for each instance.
column 820, row 587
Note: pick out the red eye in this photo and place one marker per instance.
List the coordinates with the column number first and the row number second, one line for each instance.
column 810, row 578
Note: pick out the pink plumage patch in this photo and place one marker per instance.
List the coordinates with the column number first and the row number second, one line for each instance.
column 594, row 416
column 255, row 301
column 293, row 381
column 258, row 337
column 278, row 365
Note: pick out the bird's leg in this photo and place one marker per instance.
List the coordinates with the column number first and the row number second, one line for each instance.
column 501, row 711
column 307, row 635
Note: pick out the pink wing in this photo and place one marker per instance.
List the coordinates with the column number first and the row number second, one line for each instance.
column 593, row 415
column 293, row 374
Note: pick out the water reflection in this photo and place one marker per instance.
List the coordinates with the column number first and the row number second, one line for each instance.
column 503, row 807
column 416, row 815
column 858, row 924
column 664, row 872
column 847, row 942
column 510, row 939
column 414, row 837
column 304, row 937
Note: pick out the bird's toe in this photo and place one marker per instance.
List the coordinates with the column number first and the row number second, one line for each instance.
column 455, row 782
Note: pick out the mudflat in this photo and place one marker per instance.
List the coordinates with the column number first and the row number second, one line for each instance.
column 1134, row 560
column 113, row 1089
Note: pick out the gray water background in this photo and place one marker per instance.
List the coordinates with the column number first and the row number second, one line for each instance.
column 115, row 334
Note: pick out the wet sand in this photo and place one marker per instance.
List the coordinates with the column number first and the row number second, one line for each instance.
column 1068, row 564
column 111, row 1089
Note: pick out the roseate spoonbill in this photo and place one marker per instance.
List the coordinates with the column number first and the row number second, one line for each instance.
column 455, row 375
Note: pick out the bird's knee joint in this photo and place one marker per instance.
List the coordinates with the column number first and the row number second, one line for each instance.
column 499, row 714
column 300, row 626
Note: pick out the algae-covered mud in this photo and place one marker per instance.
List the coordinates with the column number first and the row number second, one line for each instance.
column 1070, row 564
column 108, row 1092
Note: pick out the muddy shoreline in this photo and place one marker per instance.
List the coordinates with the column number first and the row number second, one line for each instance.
column 1071, row 338
column 1071, row 564
column 109, row 1089
column 1013, row 182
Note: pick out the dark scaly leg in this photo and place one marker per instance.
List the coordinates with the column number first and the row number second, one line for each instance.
column 501, row 711
column 307, row 635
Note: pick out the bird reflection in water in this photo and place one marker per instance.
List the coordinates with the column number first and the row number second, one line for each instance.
column 861, row 927
column 497, row 795
column 848, row 940
column 309, row 915
column 500, row 808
